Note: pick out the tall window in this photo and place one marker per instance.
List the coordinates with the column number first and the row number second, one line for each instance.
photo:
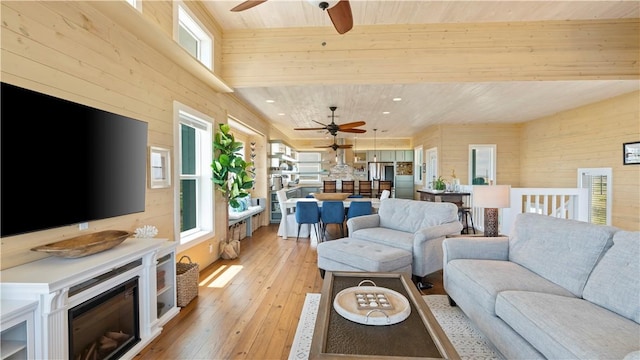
column 482, row 164
column 194, row 195
column 193, row 36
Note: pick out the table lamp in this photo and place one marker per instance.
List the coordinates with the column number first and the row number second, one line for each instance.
column 491, row 198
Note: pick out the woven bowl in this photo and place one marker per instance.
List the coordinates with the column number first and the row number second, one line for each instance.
column 331, row 196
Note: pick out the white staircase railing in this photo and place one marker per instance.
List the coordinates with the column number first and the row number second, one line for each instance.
column 566, row 203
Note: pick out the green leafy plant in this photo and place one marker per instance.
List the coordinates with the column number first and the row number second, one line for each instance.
column 232, row 177
column 439, row 184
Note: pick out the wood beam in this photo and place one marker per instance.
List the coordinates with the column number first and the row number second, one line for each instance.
column 528, row 51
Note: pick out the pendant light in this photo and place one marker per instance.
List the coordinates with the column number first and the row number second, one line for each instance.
column 375, row 153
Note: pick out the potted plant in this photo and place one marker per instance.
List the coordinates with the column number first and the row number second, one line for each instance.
column 439, row 184
column 233, row 177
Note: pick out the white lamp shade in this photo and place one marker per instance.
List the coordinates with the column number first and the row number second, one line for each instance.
column 491, row 196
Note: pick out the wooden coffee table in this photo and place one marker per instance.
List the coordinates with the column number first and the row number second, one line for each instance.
column 419, row 336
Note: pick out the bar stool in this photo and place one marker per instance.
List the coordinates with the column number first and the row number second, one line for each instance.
column 464, row 216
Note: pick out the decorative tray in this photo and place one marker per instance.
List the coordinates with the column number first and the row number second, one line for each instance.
column 372, row 305
column 84, row 245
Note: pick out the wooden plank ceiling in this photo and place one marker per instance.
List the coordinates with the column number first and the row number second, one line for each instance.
column 453, row 62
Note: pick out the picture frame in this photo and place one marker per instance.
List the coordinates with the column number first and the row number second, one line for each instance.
column 159, row 168
column 631, row 153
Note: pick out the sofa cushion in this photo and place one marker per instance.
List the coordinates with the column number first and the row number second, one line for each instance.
column 563, row 251
column 615, row 281
column 383, row 236
column 411, row 215
column 562, row 327
column 484, row 279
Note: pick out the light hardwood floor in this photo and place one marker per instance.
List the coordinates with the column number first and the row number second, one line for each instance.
column 248, row 308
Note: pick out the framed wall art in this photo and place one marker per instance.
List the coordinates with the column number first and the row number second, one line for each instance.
column 631, row 153
column 159, row 168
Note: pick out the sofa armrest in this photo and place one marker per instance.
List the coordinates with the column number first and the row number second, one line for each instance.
column 486, row 248
column 363, row 222
column 434, row 232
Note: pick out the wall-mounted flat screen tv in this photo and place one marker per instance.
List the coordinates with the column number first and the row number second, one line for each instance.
column 64, row 163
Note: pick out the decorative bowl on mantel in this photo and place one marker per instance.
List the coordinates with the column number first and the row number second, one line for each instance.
column 85, row 245
column 331, row 196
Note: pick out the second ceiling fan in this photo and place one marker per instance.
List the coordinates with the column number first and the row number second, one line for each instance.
column 335, row 146
column 333, row 128
column 340, row 13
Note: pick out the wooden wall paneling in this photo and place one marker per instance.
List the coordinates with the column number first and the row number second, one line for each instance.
column 554, row 148
column 72, row 50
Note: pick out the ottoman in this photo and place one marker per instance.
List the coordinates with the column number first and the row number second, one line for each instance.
column 349, row 254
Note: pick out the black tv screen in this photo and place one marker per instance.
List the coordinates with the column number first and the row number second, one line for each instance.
column 64, row 163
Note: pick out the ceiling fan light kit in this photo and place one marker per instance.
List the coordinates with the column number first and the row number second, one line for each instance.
column 333, row 128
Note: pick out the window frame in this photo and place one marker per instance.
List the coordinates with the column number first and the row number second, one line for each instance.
column 184, row 18
column 205, row 209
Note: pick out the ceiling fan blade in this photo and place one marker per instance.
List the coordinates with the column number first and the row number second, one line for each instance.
column 247, row 5
column 355, row 131
column 318, row 122
column 326, row 146
column 347, row 146
column 351, row 125
column 341, row 16
column 309, row 128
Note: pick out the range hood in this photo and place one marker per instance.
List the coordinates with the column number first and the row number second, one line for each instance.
column 342, row 170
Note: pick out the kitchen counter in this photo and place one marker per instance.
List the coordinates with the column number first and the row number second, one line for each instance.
column 452, row 197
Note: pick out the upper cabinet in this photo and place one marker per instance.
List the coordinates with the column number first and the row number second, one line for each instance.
column 404, row 155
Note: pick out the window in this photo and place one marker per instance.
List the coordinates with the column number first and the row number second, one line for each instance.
column 417, row 165
column 600, row 185
column 137, row 4
column 194, row 194
column 482, row 164
column 432, row 166
column 192, row 36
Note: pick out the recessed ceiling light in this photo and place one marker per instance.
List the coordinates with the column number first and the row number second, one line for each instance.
column 386, row 112
column 271, row 101
column 281, row 114
column 397, row 99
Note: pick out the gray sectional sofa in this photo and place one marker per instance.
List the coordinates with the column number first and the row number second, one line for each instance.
column 556, row 289
column 418, row 227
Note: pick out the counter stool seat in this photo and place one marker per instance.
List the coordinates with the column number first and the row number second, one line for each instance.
column 349, row 254
column 464, row 215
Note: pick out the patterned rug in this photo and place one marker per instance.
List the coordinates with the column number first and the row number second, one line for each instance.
column 468, row 341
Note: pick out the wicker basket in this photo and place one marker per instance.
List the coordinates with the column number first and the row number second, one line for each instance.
column 187, row 281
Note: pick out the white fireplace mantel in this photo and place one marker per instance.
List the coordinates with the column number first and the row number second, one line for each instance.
column 48, row 281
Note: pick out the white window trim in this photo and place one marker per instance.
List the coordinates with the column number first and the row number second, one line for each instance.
column 182, row 15
column 493, row 165
column 207, row 198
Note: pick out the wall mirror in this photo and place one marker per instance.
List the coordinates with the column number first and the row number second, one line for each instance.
column 482, row 164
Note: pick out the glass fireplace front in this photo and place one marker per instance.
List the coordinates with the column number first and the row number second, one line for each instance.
column 106, row 326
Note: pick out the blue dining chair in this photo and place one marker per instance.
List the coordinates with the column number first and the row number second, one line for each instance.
column 356, row 196
column 307, row 212
column 332, row 212
column 359, row 208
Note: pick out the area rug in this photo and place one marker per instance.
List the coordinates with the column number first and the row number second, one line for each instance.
column 304, row 333
column 468, row 341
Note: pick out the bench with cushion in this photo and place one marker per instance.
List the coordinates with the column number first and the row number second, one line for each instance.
column 245, row 212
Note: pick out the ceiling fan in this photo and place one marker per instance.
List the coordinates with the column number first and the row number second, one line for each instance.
column 339, row 12
column 333, row 128
column 335, row 146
